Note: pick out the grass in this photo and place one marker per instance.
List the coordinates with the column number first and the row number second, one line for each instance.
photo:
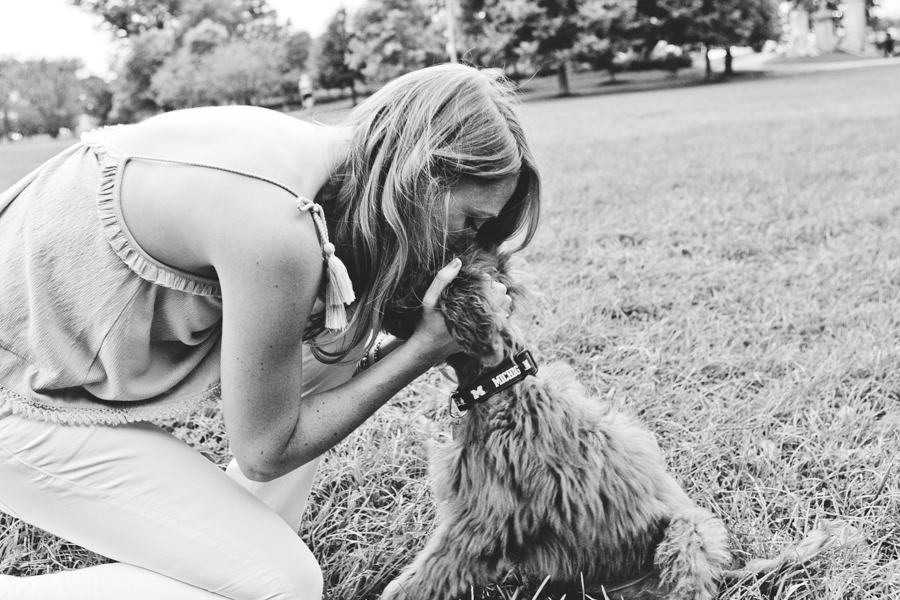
column 724, row 261
column 17, row 159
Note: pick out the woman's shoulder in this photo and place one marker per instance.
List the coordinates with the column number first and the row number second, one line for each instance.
column 223, row 119
column 251, row 139
column 179, row 213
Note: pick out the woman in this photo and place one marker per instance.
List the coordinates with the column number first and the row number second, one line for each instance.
column 203, row 277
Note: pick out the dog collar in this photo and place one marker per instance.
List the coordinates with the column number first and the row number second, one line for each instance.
column 508, row 373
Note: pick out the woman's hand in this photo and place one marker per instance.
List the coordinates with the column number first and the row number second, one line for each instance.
column 432, row 331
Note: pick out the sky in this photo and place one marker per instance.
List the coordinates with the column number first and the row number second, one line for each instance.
column 56, row 29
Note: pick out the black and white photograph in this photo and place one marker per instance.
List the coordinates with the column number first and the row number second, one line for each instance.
column 449, row 300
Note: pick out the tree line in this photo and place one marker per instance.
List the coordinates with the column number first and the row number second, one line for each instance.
column 182, row 53
column 44, row 96
column 387, row 37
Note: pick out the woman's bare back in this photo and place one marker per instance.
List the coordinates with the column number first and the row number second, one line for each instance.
column 172, row 209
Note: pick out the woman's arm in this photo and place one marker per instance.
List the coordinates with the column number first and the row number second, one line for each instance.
column 269, row 263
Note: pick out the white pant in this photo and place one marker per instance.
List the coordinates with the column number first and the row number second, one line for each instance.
column 180, row 528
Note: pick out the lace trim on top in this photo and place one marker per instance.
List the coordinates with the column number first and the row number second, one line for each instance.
column 106, row 414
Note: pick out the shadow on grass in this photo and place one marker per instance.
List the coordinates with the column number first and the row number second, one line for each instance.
column 599, row 84
column 581, row 84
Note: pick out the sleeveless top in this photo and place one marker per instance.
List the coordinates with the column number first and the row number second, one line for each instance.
column 93, row 330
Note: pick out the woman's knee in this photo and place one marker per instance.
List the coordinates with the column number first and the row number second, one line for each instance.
column 310, row 577
column 302, row 576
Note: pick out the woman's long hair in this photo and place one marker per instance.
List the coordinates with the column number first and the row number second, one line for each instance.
column 388, row 203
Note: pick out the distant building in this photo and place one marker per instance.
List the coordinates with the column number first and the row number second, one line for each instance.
column 855, row 38
column 826, row 31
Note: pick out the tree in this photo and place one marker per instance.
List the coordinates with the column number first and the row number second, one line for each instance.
column 549, row 32
column 204, row 37
column 129, row 18
column 245, row 19
column 393, row 37
column 333, row 70
column 297, row 51
column 727, row 23
column 557, row 28
column 609, row 29
column 489, row 33
column 210, row 68
column 296, row 61
column 766, row 24
column 133, row 96
column 665, row 20
column 7, row 82
column 48, row 94
column 707, row 23
column 245, row 71
column 166, row 44
column 96, row 98
column 134, row 17
column 181, row 82
column 181, row 53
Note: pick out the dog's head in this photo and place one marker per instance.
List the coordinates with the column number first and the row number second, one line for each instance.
column 472, row 316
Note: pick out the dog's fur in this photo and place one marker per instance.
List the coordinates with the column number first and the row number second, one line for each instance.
column 545, row 481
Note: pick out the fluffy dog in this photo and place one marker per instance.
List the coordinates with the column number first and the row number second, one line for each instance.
column 543, row 480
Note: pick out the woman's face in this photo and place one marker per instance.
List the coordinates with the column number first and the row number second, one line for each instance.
column 474, row 202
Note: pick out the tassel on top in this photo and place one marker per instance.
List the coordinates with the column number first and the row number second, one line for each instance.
column 338, row 287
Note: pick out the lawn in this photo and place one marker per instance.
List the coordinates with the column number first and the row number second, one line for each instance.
column 722, row 260
column 17, row 159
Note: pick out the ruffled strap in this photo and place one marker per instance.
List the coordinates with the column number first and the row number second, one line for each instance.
column 338, row 287
column 114, row 228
